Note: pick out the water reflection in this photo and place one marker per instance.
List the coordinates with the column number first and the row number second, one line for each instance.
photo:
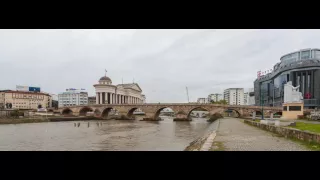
column 102, row 135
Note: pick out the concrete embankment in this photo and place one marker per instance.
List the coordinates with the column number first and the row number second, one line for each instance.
column 287, row 132
column 204, row 140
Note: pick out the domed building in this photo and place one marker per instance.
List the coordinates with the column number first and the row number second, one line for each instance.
column 107, row 93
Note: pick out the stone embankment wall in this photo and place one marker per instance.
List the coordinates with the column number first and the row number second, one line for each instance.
column 287, row 132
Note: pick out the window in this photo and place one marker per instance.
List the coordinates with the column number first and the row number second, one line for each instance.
column 294, row 108
column 285, row 108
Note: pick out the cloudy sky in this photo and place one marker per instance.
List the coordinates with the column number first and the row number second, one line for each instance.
column 162, row 62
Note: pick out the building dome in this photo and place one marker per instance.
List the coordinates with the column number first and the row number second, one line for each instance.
column 105, row 78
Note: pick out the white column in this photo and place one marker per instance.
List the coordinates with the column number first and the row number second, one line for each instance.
column 100, row 97
column 97, row 98
column 117, row 98
column 106, row 97
column 111, row 102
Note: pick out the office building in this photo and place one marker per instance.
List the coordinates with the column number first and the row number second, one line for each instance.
column 302, row 68
column 234, row 96
column 73, row 97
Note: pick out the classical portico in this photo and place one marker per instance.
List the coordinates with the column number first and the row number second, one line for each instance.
column 106, row 93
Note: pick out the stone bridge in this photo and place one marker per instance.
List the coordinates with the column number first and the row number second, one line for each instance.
column 152, row 111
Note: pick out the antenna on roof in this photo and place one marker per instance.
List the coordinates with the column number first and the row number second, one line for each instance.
column 105, row 73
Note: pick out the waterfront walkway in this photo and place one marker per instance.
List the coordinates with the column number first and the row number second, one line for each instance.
column 234, row 135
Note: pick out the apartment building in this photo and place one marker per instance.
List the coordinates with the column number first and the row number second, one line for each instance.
column 234, row 96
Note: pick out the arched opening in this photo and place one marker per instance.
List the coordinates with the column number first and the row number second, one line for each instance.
column 97, row 112
column 135, row 112
column 258, row 113
column 199, row 113
column 84, row 110
column 107, row 112
column 164, row 113
column 67, row 112
column 277, row 114
column 232, row 113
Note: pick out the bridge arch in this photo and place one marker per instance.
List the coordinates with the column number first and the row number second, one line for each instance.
column 67, row 111
column 277, row 114
column 200, row 108
column 105, row 112
column 230, row 110
column 130, row 112
column 97, row 112
column 157, row 113
column 258, row 113
column 83, row 111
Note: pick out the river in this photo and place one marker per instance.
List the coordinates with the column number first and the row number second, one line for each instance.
column 112, row 135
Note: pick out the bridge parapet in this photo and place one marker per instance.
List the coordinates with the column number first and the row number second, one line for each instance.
column 152, row 110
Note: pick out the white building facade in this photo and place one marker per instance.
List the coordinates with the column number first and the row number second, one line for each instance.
column 202, row 100
column 234, row 96
column 72, row 98
column 246, row 98
column 106, row 93
column 215, row 97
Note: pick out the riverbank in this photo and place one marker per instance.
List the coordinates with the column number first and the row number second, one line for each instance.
column 198, row 144
column 22, row 120
column 43, row 119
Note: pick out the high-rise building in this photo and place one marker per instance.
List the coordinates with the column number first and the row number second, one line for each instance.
column 302, row 68
column 234, row 96
column 72, row 97
column 215, row 97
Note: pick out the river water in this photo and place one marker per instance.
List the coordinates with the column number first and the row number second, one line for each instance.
column 112, row 135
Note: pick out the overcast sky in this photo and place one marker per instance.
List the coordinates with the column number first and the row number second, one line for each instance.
column 162, row 62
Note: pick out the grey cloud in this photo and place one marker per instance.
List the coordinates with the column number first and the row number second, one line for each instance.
column 163, row 62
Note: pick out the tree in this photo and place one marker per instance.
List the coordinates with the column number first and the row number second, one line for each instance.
column 212, row 101
column 221, row 102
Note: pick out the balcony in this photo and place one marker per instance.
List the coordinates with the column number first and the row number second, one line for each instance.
column 311, row 102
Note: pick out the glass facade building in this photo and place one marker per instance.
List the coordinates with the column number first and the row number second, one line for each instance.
column 302, row 68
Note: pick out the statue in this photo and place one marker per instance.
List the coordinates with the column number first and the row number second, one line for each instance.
column 291, row 93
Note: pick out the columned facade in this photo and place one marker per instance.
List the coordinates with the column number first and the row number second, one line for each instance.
column 106, row 93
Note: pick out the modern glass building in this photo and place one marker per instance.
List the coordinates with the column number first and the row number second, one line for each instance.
column 302, row 68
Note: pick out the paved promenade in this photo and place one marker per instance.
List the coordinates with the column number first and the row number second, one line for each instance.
column 234, row 135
